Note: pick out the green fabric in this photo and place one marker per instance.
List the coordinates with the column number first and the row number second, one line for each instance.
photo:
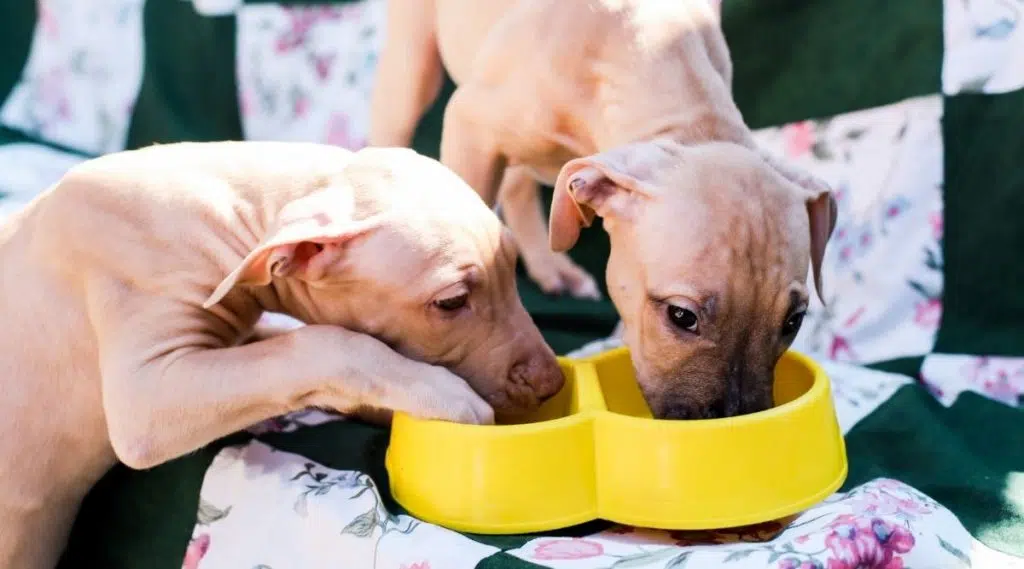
column 905, row 366
column 504, row 561
column 984, row 198
column 963, row 457
column 10, row 135
column 188, row 88
column 15, row 41
column 801, row 59
column 136, row 519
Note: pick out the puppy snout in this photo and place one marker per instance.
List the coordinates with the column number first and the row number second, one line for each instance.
column 540, row 374
column 530, row 382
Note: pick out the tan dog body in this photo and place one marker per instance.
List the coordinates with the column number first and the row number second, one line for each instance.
column 625, row 107
column 119, row 344
column 542, row 82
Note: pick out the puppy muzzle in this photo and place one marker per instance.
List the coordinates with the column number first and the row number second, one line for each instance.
column 530, row 382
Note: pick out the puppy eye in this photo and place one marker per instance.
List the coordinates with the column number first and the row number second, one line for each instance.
column 792, row 324
column 682, row 318
column 452, row 303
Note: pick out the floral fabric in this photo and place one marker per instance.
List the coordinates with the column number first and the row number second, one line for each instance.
column 984, row 43
column 261, row 508
column 882, row 524
column 82, row 76
column 276, row 510
column 999, row 379
column 306, row 72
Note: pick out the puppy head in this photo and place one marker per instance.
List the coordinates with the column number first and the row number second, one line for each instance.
column 402, row 249
column 710, row 250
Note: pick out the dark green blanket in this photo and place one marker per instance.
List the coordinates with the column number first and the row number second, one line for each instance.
column 955, row 435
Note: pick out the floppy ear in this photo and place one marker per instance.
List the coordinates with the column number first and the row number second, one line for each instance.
column 602, row 185
column 307, row 241
column 822, row 212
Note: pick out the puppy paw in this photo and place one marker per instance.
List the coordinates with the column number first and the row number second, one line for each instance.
column 557, row 273
column 443, row 396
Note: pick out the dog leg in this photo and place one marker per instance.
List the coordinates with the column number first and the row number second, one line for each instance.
column 409, row 74
column 170, row 388
column 554, row 273
column 470, row 149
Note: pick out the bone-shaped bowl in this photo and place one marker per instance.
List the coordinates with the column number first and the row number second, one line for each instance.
column 594, row 452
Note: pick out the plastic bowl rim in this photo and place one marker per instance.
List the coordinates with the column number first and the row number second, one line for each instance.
column 819, row 390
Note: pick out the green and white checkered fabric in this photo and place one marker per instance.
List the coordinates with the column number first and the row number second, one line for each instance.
column 912, row 109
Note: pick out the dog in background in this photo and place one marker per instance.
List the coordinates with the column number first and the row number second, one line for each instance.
column 626, row 108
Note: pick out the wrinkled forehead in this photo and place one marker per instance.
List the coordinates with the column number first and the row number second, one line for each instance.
column 427, row 250
column 716, row 229
column 729, row 171
column 731, row 274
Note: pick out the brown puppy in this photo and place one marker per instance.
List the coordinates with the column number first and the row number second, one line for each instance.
column 625, row 106
column 121, row 344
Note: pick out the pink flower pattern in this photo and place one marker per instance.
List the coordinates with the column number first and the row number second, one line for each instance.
column 873, row 526
column 937, row 224
column 302, row 20
column 928, row 313
column 53, row 93
column 307, row 72
column 867, row 543
column 881, row 502
column 197, row 548
column 562, row 549
column 1001, row 379
column 47, row 22
column 799, row 138
column 339, row 133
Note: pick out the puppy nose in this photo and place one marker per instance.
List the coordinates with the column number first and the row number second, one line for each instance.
column 540, row 373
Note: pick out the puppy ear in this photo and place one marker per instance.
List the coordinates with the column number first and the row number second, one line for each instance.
column 307, row 241
column 822, row 212
column 603, row 185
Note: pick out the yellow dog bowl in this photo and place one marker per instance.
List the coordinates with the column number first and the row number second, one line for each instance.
column 594, row 452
